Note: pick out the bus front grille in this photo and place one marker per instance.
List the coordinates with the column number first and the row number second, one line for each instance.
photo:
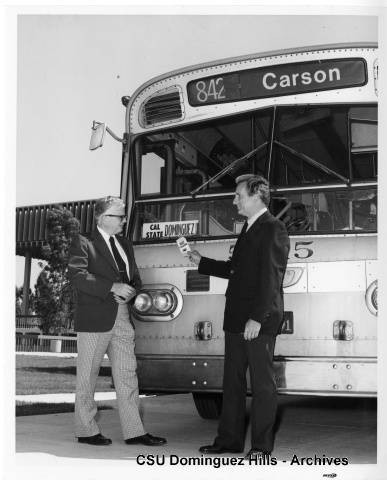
column 195, row 282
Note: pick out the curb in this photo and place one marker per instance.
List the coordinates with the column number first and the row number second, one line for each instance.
column 61, row 397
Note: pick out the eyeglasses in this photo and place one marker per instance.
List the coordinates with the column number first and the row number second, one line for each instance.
column 121, row 217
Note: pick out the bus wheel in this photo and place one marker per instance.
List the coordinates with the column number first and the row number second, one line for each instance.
column 208, row 405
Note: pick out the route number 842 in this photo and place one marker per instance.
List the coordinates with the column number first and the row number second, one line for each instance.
column 210, row 90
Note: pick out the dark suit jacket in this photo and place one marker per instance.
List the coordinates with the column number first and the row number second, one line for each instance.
column 255, row 274
column 92, row 270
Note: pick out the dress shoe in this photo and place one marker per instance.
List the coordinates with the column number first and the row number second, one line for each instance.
column 255, row 455
column 146, row 439
column 214, row 449
column 98, row 439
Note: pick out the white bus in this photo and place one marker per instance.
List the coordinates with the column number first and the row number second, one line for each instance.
column 307, row 120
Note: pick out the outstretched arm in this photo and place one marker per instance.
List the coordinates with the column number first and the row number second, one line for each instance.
column 208, row 266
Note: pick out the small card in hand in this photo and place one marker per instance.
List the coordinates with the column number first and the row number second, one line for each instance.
column 183, row 246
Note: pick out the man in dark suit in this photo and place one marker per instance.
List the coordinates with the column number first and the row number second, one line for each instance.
column 104, row 272
column 252, row 319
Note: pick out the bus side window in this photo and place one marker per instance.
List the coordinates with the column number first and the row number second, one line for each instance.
column 190, row 215
column 324, row 218
column 353, row 210
column 152, row 168
column 297, row 219
column 364, row 142
column 364, row 208
column 156, row 168
column 340, row 208
column 294, row 214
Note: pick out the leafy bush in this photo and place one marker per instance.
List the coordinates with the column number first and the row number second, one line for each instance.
column 54, row 295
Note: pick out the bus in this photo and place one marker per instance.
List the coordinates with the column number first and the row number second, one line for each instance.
column 304, row 118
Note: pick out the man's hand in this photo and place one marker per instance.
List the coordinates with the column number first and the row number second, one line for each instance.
column 120, row 300
column 126, row 292
column 252, row 329
column 194, row 257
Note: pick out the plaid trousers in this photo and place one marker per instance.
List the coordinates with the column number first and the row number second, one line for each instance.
column 118, row 343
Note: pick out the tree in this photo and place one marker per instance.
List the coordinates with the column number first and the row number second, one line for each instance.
column 19, row 301
column 54, row 295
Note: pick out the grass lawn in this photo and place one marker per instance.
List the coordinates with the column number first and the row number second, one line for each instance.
column 36, row 374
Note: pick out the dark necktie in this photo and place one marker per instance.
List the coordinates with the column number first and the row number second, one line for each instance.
column 244, row 228
column 240, row 238
column 119, row 261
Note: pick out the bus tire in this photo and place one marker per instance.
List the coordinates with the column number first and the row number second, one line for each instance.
column 208, row 405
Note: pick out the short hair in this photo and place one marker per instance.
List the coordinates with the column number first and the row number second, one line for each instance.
column 103, row 204
column 256, row 184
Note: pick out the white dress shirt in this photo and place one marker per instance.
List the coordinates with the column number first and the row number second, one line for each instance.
column 121, row 251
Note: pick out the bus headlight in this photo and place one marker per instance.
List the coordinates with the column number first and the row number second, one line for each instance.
column 143, row 302
column 371, row 297
column 163, row 301
column 158, row 302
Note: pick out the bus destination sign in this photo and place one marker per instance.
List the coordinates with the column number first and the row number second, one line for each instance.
column 169, row 229
column 278, row 80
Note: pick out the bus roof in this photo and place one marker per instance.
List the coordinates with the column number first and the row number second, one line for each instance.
column 241, row 58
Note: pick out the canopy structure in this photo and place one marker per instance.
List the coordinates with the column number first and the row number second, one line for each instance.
column 31, row 233
column 31, row 230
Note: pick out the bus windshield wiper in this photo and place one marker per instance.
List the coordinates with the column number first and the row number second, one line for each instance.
column 312, row 162
column 228, row 168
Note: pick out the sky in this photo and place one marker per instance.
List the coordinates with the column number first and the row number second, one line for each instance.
column 73, row 69
column 70, row 66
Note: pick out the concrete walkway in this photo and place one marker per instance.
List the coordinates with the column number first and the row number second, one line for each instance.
column 334, row 428
column 172, row 416
column 307, row 427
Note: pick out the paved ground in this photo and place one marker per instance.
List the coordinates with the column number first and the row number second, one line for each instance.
column 307, row 427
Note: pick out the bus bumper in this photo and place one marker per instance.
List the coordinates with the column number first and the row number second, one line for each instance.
column 325, row 376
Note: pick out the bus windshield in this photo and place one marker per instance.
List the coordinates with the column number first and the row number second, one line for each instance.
column 321, row 162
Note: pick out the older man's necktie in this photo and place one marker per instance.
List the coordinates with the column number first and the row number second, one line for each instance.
column 119, row 261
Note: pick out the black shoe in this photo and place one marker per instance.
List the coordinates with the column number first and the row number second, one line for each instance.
column 146, row 439
column 98, row 439
column 214, row 449
column 255, row 454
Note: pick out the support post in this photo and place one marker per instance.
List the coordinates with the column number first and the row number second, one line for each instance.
column 26, row 284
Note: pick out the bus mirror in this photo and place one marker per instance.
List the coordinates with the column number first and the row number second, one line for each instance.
column 98, row 131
